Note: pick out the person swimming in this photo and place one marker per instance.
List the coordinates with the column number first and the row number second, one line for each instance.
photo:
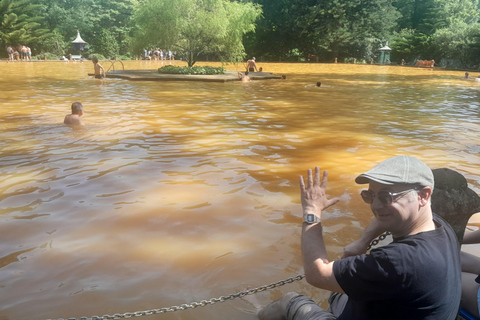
column 73, row 119
column 244, row 77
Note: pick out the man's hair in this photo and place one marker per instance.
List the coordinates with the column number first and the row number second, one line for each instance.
column 76, row 107
column 95, row 59
column 246, row 73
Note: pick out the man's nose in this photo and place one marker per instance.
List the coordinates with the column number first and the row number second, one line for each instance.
column 377, row 204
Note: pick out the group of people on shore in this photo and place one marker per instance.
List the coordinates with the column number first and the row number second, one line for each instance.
column 19, row 53
column 158, row 54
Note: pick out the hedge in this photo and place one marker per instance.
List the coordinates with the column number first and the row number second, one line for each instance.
column 192, row 70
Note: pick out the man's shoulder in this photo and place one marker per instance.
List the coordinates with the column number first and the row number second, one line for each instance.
column 73, row 120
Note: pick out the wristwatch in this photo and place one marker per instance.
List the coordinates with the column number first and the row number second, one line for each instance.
column 311, row 218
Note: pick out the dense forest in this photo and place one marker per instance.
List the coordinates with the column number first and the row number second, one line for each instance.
column 447, row 31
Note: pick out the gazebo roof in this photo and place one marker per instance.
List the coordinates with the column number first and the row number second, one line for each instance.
column 386, row 48
column 78, row 39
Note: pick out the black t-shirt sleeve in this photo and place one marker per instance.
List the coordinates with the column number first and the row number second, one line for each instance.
column 370, row 277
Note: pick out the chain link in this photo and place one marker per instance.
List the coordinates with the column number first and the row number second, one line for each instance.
column 378, row 239
column 204, row 303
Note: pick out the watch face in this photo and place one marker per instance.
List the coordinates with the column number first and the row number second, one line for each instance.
column 311, row 218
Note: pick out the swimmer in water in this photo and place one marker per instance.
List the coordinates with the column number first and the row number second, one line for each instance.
column 244, row 77
column 74, row 118
column 466, row 75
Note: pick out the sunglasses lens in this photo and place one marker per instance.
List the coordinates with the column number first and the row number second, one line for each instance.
column 367, row 196
column 385, row 197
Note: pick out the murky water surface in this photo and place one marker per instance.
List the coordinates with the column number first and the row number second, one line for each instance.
column 181, row 191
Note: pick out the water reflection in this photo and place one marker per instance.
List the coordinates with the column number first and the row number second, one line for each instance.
column 177, row 192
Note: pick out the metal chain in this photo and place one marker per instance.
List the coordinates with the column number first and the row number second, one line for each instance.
column 378, row 239
column 193, row 305
column 204, row 303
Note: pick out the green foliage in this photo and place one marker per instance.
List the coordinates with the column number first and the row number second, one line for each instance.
column 54, row 44
column 106, row 44
column 192, row 70
column 458, row 41
column 20, row 24
column 194, row 27
column 98, row 55
column 288, row 30
column 48, row 55
column 120, row 57
column 326, row 28
column 411, row 45
column 103, row 24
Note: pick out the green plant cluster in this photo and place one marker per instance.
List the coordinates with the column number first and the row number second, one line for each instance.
column 192, row 70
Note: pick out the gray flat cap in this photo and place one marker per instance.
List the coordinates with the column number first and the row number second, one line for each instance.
column 399, row 170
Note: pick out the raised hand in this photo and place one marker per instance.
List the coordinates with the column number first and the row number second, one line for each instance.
column 313, row 196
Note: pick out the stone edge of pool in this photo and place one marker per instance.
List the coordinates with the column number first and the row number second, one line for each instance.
column 153, row 75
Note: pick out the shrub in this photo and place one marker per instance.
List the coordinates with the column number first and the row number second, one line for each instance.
column 98, row 55
column 49, row 55
column 120, row 57
column 192, row 70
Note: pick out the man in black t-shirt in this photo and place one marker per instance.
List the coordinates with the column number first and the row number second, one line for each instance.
column 417, row 276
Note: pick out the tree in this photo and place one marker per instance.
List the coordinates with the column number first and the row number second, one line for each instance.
column 104, row 24
column 325, row 28
column 337, row 25
column 459, row 41
column 437, row 29
column 195, row 27
column 278, row 33
column 19, row 23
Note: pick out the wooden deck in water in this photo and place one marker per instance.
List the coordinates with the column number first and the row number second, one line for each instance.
column 153, row 75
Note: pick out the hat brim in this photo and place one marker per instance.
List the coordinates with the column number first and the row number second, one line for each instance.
column 365, row 178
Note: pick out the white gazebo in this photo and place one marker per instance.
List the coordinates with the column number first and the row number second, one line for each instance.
column 78, row 43
column 385, row 54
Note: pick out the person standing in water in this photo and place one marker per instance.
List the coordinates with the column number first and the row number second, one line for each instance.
column 74, row 118
column 251, row 65
column 97, row 66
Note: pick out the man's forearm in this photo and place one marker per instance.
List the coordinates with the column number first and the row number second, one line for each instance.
column 318, row 271
column 361, row 245
column 371, row 232
column 313, row 248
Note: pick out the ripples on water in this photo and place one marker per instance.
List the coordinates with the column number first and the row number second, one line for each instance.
column 177, row 192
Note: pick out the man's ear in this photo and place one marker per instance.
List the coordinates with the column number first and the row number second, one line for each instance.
column 424, row 195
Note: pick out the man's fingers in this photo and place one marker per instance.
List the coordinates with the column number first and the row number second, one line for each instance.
column 331, row 202
column 317, row 176
column 324, row 180
column 309, row 179
column 302, row 185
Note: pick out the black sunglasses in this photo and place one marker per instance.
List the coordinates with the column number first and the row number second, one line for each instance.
column 385, row 197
